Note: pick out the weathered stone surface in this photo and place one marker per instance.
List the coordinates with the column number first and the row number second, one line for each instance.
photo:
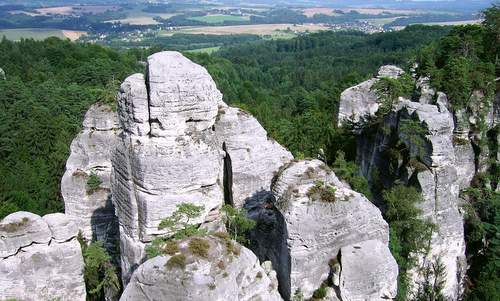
column 182, row 95
column 168, row 153
column 426, row 92
column 40, row 258
column 390, row 71
column 369, row 272
column 221, row 275
column 133, row 107
column 446, row 165
column 2, row 74
column 21, row 229
column 62, row 226
column 318, row 229
column 91, row 155
column 254, row 157
column 360, row 102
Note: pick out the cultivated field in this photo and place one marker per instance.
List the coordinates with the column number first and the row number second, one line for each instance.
column 274, row 30
column 136, row 21
column 40, row 34
column 310, row 12
column 214, row 19
column 69, row 10
column 451, row 23
column 73, row 35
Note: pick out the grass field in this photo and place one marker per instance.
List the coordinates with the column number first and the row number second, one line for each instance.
column 215, row 19
column 275, row 31
column 40, row 33
column 208, row 50
column 68, row 10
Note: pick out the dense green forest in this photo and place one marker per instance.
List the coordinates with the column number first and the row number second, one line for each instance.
column 48, row 88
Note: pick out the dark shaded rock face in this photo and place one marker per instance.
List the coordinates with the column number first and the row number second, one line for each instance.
column 268, row 238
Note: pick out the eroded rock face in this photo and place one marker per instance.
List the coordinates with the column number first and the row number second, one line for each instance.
column 168, row 153
column 319, row 228
column 360, row 102
column 40, row 258
column 91, row 157
column 447, row 164
column 363, row 264
column 254, row 157
column 223, row 274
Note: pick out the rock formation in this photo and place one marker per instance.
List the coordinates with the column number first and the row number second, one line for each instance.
column 90, row 159
column 227, row 271
column 253, row 155
column 2, row 74
column 182, row 144
column 320, row 216
column 167, row 153
column 360, row 102
column 40, row 258
column 447, row 164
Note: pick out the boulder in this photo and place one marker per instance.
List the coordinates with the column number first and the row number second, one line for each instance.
column 309, row 193
column 361, row 102
column 40, row 258
column 227, row 271
column 390, row 71
column 90, row 159
column 369, row 272
column 425, row 90
column 254, row 157
column 182, row 95
column 167, row 154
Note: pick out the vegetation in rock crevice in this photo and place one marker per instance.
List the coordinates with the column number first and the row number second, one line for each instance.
column 178, row 227
column 101, row 276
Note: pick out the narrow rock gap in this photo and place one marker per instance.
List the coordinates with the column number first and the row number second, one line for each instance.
column 268, row 240
column 148, row 93
column 493, row 152
column 227, row 180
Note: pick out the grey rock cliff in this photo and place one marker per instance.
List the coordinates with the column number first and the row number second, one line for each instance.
column 254, row 157
column 40, row 258
column 318, row 229
column 223, row 274
column 447, row 164
column 182, row 144
column 360, row 102
column 168, row 153
column 91, row 156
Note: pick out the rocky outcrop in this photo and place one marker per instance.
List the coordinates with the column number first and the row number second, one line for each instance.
column 168, row 153
column 438, row 158
column 227, row 271
column 2, row 74
column 360, row 102
column 253, row 155
column 182, row 144
column 362, row 265
column 322, row 215
column 40, row 258
column 90, row 160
